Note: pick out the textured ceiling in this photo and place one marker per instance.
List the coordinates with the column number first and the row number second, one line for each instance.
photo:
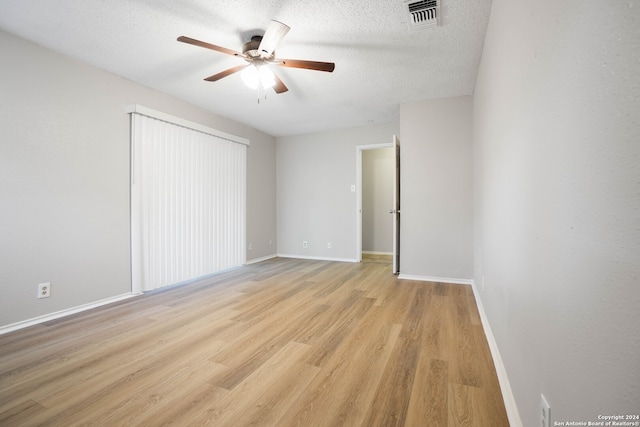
column 380, row 63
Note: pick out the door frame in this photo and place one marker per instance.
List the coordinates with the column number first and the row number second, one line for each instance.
column 359, row 150
column 396, row 206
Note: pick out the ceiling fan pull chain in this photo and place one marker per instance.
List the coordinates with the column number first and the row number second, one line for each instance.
column 262, row 91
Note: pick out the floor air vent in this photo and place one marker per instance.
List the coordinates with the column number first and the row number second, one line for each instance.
column 423, row 14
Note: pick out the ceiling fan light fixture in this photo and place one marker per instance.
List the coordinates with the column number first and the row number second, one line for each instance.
column 250, row 77
column 253, row 76
column 267, row 78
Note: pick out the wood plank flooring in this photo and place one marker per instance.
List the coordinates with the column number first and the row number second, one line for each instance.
column 284, row 342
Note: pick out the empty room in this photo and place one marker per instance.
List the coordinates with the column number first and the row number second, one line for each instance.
column 279, row 213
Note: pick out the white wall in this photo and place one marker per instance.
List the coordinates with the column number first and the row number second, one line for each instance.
column 261, row 195
column 315, row 203
column 436, row 189
column 378, row 171
column 557, row 203
column 64, row 179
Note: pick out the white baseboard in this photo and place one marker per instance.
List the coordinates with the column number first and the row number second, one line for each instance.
column 377, row 253
column 505, row 387
column 58, row 314
column 264, row 258
column 436, row 279
column 318, row 258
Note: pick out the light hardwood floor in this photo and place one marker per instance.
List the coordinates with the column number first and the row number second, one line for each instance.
column 283, row 342
column 377, row 258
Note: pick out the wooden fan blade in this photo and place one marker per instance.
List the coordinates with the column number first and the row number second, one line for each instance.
column 226, row 73
column 206, row 45
column 279, row 87
column 308, row 65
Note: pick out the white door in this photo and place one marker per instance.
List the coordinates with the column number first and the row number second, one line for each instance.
column 396, row 208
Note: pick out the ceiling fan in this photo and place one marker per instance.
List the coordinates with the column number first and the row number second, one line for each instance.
column 259, row 53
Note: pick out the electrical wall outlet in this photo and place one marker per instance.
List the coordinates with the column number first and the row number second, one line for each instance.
column 304, row 244
column 329, row 245
column 44, row 290
column 545, row 412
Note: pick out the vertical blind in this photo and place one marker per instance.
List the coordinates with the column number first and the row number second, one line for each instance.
column 188, row 204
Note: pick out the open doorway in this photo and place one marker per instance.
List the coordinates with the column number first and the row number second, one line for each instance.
column 377, row 199
column 376, row 170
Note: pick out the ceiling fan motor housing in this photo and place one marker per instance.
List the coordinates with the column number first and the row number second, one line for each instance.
column 251, row 49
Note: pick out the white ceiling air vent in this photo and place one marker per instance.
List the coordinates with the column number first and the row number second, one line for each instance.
column 423, row 13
